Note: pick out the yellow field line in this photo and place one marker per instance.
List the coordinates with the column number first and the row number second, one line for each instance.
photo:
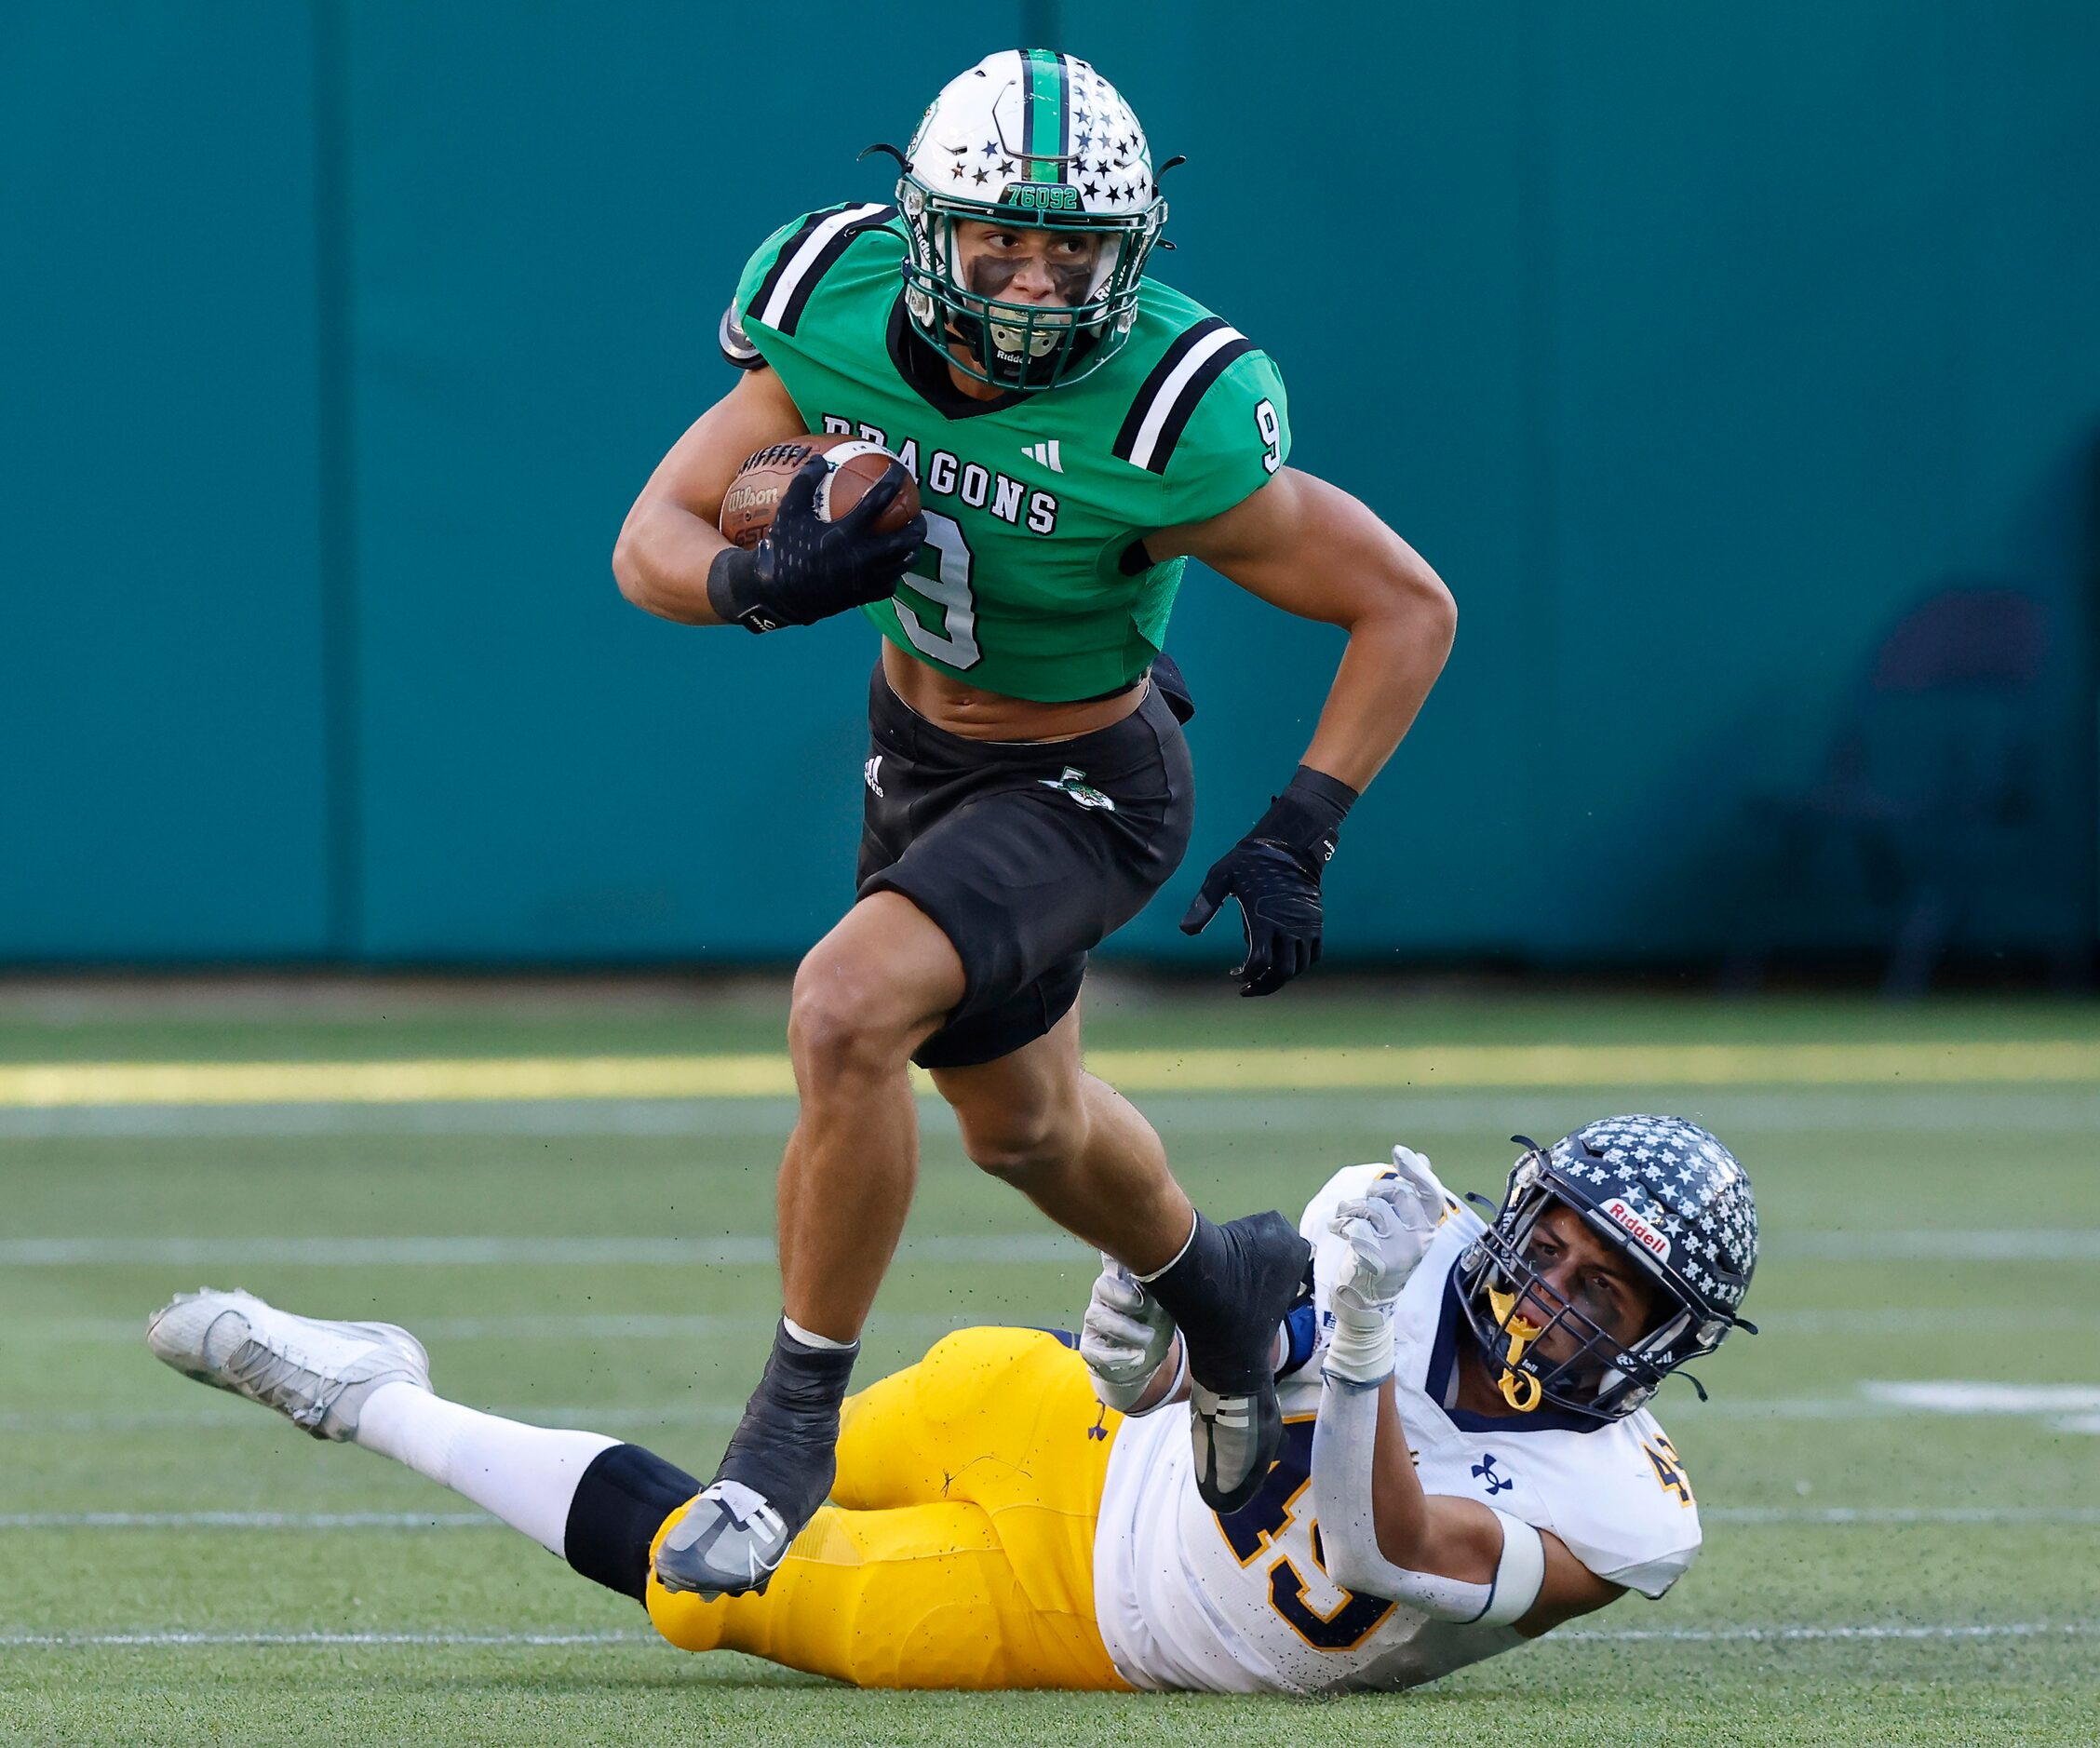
column 1363, row 1068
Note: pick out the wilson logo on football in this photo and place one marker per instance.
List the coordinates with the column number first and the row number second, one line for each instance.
column 1644, row 1234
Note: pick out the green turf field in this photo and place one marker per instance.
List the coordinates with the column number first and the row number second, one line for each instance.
column 1894, row 1554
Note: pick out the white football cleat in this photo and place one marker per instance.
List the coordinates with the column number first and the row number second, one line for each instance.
column 316, row 1373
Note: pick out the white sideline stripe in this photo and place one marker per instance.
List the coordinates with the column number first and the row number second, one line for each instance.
column 1901, row 1514
column 805, row 255
column 1743, row 1514
column 1383, row 1115
column 1578, row 1636
column 609, row 1326
column 1944, row 1244
column 1961, row 1396
column 733, row 1251
column 84, row 1641
column 2073, row 1244
column 652, row 1326
column 1170, row 392
column 1753, row 1636
column 679, row 1415
column 249, row 1520
column 587, row 1417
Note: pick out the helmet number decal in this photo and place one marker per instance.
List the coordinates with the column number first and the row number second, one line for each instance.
column 1272, row 429
column 940, row 572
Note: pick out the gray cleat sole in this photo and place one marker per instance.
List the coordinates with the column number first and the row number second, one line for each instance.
column 1237, row 1438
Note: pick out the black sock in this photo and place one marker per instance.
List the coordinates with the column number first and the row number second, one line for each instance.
column 1228, row 1291
column 784, row 1447
column 620, row 1504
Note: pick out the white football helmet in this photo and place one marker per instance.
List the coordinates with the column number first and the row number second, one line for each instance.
column 1036, row 140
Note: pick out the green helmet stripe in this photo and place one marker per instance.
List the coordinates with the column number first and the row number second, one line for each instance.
column 1045, row 121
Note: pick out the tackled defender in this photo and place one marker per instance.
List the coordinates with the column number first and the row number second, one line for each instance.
column 1470, row 1459
column 1076, row 431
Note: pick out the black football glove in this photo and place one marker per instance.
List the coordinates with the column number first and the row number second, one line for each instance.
column 1274, row 872
column 807, row 569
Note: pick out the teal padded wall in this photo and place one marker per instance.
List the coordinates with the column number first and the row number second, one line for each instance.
column 163, row 696
column 1692, row 345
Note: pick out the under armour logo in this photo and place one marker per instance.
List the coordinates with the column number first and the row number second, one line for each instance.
column 1485, row 1471
column 871, row 773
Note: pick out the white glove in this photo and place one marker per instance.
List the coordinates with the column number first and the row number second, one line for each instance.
column 1388, row 1233
column 1125, row 1338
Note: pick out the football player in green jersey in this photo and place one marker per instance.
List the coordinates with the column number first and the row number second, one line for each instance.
column 1078, row 432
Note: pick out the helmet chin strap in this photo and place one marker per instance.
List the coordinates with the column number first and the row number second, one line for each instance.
column 1520, row 1390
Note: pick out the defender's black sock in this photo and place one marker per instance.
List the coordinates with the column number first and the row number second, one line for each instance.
column 620, row 1504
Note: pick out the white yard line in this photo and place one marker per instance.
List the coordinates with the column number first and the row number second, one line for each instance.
column 2070, row 1244
column 1789, row 1635
column 1964, row 1396
column 465, row 1250
column 83, row 1640
column 600, row 1327
column 230, row 1419
column 1901, row 1514
column 1579, row 1635
column 249, row 1520
column 1747, row 1514
column 702, row 1326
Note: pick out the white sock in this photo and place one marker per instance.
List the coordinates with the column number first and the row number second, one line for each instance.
column 527, row 1475
column 810, row 1338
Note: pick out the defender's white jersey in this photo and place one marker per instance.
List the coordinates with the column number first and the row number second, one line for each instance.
column 1242, row 1604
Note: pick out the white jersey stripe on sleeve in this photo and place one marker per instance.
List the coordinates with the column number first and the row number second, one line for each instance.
column 807, row 250
column 1170, row 391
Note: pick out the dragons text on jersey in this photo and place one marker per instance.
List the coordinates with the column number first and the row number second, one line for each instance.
column 1033, row 581
column 947, row 475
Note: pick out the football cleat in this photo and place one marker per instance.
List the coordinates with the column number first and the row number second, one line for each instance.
column 1236, row 1438
column 729, row 1542
column 316, row 1373
column 1235, row 1421
column 778, row 1469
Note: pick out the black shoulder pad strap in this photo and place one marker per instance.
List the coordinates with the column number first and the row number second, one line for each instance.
column 1170, row 394
column 805, row 258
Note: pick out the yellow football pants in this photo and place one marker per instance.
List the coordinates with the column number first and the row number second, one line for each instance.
column 958, row 1550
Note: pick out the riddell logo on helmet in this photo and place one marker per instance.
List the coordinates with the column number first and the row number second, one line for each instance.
column 1645, row 1235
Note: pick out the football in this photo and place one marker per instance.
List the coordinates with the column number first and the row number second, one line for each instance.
column 754, row 494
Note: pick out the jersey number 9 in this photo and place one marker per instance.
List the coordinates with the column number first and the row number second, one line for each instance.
column 941, row 572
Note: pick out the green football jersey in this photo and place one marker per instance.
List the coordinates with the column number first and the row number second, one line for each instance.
column 1029, row 583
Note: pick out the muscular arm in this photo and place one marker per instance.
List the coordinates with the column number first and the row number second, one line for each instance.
column 1462, row 1538
column 669, row 538
column 1311, row 549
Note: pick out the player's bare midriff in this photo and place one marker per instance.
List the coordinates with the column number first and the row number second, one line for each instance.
column 992, row 716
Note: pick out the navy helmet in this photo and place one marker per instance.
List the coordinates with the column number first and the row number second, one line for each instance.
column 1662, row 1192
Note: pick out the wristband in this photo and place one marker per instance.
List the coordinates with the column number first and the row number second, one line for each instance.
column 1360, row 1347
column 1305, row 820
column 729, row 589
